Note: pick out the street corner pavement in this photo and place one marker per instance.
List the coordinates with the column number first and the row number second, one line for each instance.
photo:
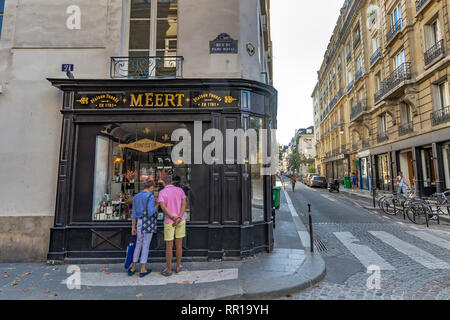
column 289, row 268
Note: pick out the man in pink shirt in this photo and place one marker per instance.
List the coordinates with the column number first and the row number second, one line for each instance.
column 173, row 203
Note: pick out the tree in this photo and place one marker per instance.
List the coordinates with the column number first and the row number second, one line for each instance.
column 294, row 161
column 312, row 168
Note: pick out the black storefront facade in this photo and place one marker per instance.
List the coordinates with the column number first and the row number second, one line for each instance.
column 116, row 133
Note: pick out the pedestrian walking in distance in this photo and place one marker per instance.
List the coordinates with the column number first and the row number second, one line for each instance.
column 143, row 227
column 293, row 181
column 172, row 200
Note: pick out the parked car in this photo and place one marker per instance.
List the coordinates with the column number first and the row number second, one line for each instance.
column 311, row 177
column 320, row 182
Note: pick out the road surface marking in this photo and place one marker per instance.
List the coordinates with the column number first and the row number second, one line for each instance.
column 290, row 205
column 362, row 252
column 420, row 256
column 431, row 238
column 101, row 279
column 304, row 238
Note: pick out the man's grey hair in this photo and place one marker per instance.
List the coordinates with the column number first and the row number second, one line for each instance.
column 167, row 179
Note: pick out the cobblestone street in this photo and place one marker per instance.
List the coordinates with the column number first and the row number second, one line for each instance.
column 414, row 260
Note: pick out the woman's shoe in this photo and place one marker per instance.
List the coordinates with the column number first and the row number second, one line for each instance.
column 143, row 274
column 131, row 273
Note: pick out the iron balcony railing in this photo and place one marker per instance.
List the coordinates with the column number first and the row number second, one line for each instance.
column 146, row 67
column 358, row 109
column 365, row 143
column 402, row 73
column 375, row 56
column 435, row 51
column 393, row 31
column 405, row 128
column 420, row 4
column 440, row 116
column 382, row 136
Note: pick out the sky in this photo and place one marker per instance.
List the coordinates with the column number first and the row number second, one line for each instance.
column 300, row 31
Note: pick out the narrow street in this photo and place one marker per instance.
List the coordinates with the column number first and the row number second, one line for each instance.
column 414, row 261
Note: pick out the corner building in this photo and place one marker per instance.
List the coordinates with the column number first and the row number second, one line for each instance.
column 384, row 97
column 79, row 148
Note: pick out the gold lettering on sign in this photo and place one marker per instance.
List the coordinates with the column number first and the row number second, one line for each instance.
column 149, row 99
column 136, row 102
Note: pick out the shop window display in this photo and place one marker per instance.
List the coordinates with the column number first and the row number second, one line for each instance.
column 257, row 179
column 126, row 156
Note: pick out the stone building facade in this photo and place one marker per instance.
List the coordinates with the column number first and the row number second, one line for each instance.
column 384, row 95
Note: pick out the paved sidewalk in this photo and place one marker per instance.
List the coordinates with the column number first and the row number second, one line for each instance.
column 288, row 269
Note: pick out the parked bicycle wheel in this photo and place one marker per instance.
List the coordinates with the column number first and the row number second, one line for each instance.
column 419, row 212
column 389, row 207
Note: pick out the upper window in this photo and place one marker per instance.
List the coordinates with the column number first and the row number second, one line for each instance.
column 153, row 28
column 432, row 34
column 441, row 95
column 2, row 11
column 397, row 17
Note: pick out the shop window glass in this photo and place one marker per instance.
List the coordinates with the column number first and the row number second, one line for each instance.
column 257, row 179
column 384, row 176
column 429, row 178
column 126, row 156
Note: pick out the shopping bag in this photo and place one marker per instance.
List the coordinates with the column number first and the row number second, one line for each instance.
column 130, row 251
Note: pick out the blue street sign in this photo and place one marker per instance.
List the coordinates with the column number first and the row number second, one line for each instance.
column 67, row 67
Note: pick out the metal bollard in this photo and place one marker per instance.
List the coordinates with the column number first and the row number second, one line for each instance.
column 311, row 239
column 374, row 193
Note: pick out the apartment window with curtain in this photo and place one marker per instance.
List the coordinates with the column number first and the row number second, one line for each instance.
column 153, row 31
column 375, row 43
column 399, row 61
column 432, row 34
column 378, row 81
column 440, row 95
column 382, row 125
column 2, row 11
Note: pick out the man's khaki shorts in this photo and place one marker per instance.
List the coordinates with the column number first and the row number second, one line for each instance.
column 171, row 232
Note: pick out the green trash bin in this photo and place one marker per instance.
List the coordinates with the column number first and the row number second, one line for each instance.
column 347, row 183
column 276, row 197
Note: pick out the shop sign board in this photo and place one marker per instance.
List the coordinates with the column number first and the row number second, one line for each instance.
column 157, row 99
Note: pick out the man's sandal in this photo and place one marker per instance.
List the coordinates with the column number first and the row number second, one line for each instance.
column 166, row 273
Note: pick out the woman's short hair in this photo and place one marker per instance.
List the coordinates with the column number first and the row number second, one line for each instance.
column 148, row 184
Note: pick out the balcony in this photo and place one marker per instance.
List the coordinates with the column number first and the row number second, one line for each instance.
column 437, row 50
column 382, row 136
column 420, row 4
column 395, row 79
column 375, row 56
column 357, row 110
column 393, row 31
column 146, row 67
column 440, row 116
column 405, row 128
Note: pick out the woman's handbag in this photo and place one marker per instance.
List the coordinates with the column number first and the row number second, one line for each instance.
column 148, row 221
column 130, row 251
